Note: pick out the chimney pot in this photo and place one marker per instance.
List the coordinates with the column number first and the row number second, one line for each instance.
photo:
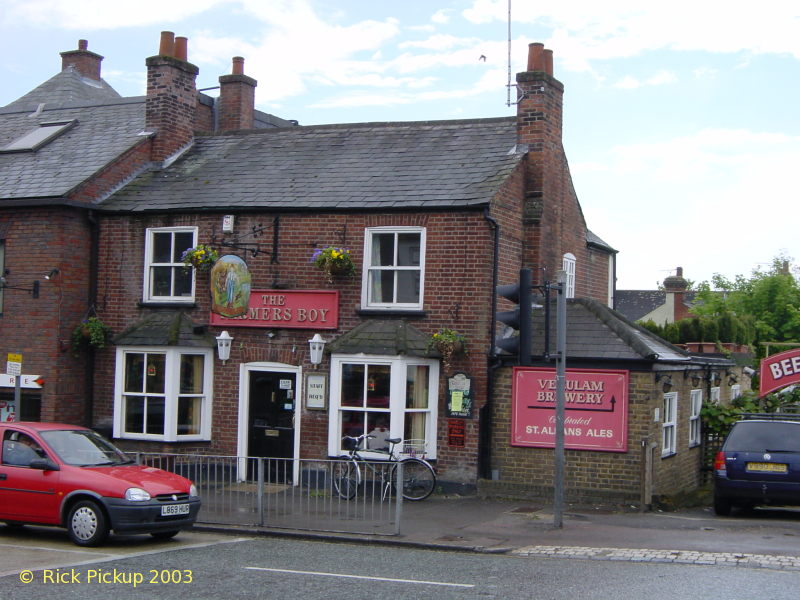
column 548, row 62
column 181, row 48
column 535, row 56
column 238, row 65
column 167, row 45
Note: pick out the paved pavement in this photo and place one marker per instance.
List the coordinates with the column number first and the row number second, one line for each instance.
column 760, row 538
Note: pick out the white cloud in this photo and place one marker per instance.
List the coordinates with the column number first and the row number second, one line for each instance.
column 442, row 17
column 88, row 15
column 583, row 31
column 630, row 82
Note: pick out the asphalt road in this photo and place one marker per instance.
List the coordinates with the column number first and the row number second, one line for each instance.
column 203, row 565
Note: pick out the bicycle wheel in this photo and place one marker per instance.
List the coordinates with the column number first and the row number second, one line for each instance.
column 344, row 475
column 419, row 480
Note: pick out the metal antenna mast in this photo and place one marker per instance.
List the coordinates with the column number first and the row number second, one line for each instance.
column 508, row 86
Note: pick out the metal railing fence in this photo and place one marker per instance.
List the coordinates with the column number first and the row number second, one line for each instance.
column 287, row 493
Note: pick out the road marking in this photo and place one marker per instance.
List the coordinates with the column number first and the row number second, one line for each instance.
column 346, row 576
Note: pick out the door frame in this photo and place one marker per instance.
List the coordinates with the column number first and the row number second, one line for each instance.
column 244, row 411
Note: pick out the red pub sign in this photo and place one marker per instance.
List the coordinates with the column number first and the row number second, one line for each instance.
column 596, row 409
column 779, row 370
column 289, row 309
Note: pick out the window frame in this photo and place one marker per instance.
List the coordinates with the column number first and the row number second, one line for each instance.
column 399, row 366
column 669, row 424
column 172, row 394
column 367, row 269
column 736, row 391
column 714, row 395
column 569, row 265
column 695, row 405
column 148, row 295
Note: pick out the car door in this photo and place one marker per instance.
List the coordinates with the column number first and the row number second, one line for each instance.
column 26, row 494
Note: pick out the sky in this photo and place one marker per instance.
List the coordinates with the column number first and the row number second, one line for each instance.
column 680, row 118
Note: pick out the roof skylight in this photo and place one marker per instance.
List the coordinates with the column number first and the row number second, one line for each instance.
column 35, row 139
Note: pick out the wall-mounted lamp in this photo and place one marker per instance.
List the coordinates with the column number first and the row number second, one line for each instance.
column 316, row 346
column 34, row 289
column 696, row 380
column 714, row 378
column 52, row 274
column 732, row 379
column 666, row 382
column 224, row 340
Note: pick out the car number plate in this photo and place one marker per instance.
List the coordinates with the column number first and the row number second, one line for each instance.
column 174, row 509
column 767, row 467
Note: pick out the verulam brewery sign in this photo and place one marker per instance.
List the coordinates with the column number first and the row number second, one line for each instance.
column 596, row 409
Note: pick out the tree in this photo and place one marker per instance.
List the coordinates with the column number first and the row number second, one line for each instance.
column 764, row 307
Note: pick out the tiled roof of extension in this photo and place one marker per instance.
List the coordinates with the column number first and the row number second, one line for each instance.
column 384, row 166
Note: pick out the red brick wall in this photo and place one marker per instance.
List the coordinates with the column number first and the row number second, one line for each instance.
column 458, row 292
column 40, row 328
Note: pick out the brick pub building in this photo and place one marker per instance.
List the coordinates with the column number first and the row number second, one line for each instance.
column 434, row 215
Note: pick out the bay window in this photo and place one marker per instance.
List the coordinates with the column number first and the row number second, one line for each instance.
column 384, row 397
column 163, row 394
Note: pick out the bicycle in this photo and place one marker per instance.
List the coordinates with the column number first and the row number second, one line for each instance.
column 419, row 478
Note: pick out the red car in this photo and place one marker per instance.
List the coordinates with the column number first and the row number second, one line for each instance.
column 71, row 476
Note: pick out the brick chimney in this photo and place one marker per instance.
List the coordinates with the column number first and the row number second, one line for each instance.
column 85, row 62
column 236, row 98
column 675, row 287
column 551, row 210
column 171, row 101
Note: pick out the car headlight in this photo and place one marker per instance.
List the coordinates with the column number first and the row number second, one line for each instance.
column 136, row 495
column 192, row 491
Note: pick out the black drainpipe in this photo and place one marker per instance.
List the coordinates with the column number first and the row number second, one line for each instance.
column 94, row 253
column 485, row 415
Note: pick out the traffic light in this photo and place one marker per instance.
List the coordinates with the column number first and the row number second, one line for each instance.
column 520, row 318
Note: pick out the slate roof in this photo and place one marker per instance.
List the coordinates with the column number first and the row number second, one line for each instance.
column 102, row 133
column 384, row 337
column 437, row 164
column 596, row 332
column 168, row 328
column 66, row 87
column 635, row 304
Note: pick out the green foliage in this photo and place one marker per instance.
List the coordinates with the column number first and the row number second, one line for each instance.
column 764, row 307
column 90, row 332
column 718, row 419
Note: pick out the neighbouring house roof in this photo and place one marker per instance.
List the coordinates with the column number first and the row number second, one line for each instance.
column 596, row 332
column 592, row 239
column 384, row 337
column 635, row 304
column 168, row 328
column 68, row 86
column 414, row 165
column 100, row 133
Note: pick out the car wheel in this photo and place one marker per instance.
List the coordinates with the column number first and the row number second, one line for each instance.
column 14, row 525
column 87, row 524
column 722, row 506
column 164, row 535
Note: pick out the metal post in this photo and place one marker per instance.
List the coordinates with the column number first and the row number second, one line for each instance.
column 18, row 397
column 561, row 375
column 260, row 491
column 398, row 498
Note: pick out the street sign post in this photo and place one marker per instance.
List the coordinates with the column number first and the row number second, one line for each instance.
column 14, row 368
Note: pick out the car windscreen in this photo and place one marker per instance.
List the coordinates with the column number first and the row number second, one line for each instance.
column 82, row 447
column 769, row 436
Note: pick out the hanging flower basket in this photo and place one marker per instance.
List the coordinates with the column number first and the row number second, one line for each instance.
column 201, row 257
column 334, row 262
column 448, row 343
column 90, row 333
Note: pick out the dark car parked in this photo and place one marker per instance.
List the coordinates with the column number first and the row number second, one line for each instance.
column 759, row 463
